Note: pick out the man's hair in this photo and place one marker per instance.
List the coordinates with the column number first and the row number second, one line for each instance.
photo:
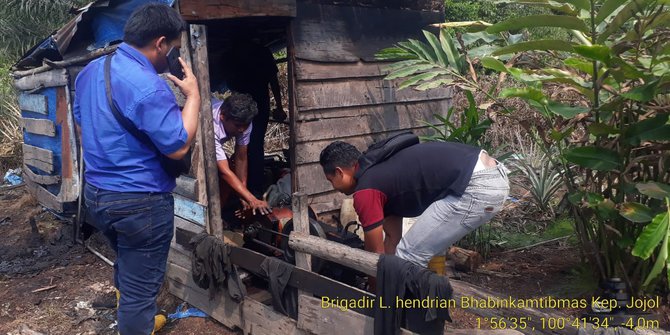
column 338, row 154
column 239, row 107
column 151, row 21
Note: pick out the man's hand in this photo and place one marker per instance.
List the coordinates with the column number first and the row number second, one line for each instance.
column 188, row 86
column 258, row 207
column 278, row 114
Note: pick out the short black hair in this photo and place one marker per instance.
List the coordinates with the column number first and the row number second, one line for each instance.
column 338, row 154
column 239, row 107
column 151, row 21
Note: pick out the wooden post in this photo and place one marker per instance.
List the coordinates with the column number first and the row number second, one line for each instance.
column 198, row 47
column 366, row 262
column 197, row 155
column 301, row 225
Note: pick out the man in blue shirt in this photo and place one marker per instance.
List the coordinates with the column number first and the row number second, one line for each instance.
column 127, row 192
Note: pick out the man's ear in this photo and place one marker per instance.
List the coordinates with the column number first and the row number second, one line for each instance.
column 161, row 43
column 338, row 172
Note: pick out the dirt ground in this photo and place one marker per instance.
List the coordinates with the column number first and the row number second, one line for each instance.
column 49, row 285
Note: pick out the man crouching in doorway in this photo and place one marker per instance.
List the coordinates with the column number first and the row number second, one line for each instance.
column 232, row 119
column 452, row 187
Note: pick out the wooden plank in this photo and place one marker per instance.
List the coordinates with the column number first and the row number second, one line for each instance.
column 198, row 44
column 309, row 70
column 311, row 179
column 361, row 92
column 348, row 34
column 251, row 316
column 187, row 187
column 425, row 5
column 193, row 10
column 316, row 319
column 356, row 126
column 40, row 179
column 189, row 210
column 70, row 189
column 44, row 197
column 327, row 201
column 179, row 257
column 307, row 281
column 33, row 103
column 39, row 126
column 308, row 152
column 41, row 80
column 439, row 106
column 38, row 157
column 313, row 317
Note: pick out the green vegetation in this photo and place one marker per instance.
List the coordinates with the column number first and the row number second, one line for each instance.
column 610, row 144
column 22, row 25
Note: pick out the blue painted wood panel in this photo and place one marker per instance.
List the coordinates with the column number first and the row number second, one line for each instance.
column 189, row 210
column 34, row 103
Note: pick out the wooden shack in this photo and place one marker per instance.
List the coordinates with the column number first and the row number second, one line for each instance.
column 336, row 91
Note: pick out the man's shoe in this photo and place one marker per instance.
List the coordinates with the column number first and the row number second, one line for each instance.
column 159, row 321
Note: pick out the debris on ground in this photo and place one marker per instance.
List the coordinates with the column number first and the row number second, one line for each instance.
column 13, row 177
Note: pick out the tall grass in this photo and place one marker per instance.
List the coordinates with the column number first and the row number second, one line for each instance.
column 22, row 25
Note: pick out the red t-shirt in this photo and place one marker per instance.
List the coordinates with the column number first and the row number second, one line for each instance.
column 369, row 205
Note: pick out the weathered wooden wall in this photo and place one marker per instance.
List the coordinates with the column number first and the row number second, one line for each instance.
column 338, row 88
column 49, row 150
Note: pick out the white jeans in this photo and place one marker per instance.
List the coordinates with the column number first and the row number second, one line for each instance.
column 448, row 220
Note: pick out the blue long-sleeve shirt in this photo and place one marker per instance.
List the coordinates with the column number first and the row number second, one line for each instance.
column 115, row 160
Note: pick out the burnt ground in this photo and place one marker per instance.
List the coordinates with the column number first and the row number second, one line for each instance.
column 50, row 285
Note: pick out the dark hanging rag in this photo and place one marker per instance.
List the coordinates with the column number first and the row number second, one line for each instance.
column 397, row 277
column 284, row 299
column 211, row 267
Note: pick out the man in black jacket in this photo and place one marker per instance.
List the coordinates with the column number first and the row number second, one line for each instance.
column 453, row 188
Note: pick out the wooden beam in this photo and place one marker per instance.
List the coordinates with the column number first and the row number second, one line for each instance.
column 198, row 44
column 65, row 63
column 366, row 262
column 38, row 126
column 187, row 187
column 38, row 157
column 33, row 103
column 40, row 179
column 192, row 10
column 41, row 80
column 363, row 261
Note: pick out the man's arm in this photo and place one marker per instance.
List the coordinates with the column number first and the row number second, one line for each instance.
column 241, row 163
column 393, row 231
column 188, row 86
column 229, row 177
column 374, row 240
